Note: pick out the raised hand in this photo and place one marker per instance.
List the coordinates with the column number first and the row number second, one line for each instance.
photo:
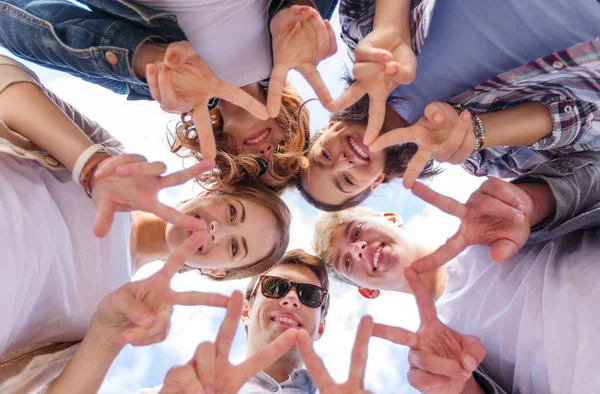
column 441, row 134
column 139, row 313
column 494, row 215
column 184, row 82
column 301, row 39
column 358, row 362
column 441, row 359
column 383, row 60
column 210, row 369
column 128, row 182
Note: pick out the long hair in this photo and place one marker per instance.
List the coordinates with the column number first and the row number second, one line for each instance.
column 233, row 166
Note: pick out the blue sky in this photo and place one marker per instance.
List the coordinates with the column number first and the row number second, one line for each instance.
column 141, row 126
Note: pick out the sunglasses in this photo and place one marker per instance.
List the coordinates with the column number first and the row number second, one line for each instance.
column 275, row 287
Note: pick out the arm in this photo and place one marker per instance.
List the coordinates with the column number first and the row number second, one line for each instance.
column 395, row 13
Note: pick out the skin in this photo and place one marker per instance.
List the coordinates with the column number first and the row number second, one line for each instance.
column 337, row 171
column 231, row 222
column 262, row 329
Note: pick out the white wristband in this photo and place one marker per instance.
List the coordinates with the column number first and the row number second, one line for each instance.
column 83, row 158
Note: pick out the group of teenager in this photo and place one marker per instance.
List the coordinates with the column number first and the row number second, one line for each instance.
column 508, row 90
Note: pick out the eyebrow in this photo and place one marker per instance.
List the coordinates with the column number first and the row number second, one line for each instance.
column 243, row 210
column 348, row 226
column 245, row 245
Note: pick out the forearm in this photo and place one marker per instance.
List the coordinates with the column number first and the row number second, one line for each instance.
column 395, row 13
column 472, row 387
column 522, row 125
column 87, row 369
column 25, row 108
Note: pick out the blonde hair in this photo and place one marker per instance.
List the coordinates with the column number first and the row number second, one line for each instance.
column 268, row 199
column 233, row 166
column 326, row 226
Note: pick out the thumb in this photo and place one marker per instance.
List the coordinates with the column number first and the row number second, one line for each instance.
column 503, row 249
column 178, row 53
column 105, row 210
column 437, row 114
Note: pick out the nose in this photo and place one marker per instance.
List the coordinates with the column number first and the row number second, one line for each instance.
column 266, row 152
column 358, row 250
column 290, row 300
column 217, row 231
column 344, row 161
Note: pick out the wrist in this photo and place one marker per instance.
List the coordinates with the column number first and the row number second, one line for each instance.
column 472, row 387
column 538, row 199
column 149, row 52
column 95, row 338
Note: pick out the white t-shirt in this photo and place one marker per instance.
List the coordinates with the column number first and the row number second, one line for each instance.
column 53, row 270
column 537, row 314
column 230, row 35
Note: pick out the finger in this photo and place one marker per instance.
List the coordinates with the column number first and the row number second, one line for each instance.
column 376, row 118
column 372, row 54
column 229, row 325
column 397, row 335
column 453, row 246
column 204, row 362
column 439, row 114
column 503, row 249
column 182, row 176
column 460, row 133
column 182, row 378
column 314, row 364
column 320, row 30
column 473, row 352
column 143, row 340
column 135, row 310
column 156, row 168
column 276, row 86
column 313, row 77
column 502, row 191
column 152, row 78
column 243, row 100
column 332, row 40
column 358, row 360
column 167, row 92
column 363, row 70
column 178, row 53
column 105, row 212
column 348, row 97
column 443, row 203
column 491, row 206
column 425, row 381
column 437, row 365
column 415, row 166
column 186, row 249
column 206, row 137
column 396, row 137
column 427, row 311
column 179, row 219
column 109, row 166
column 266, row 356
column 191, row 298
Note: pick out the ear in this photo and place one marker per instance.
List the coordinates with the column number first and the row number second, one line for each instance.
column 378, row 181
column 394, row 218
column 321, row 329
column 369, row 293
column 245, row 317
column 217, row 273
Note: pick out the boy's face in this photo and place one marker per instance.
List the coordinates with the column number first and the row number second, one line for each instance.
column 372, row 252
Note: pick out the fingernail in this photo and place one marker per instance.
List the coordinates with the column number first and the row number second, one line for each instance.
column 465, row 116
column 99, row 174
column 465, row 374
column 147, row 320
column 151, row 69
column 521, row 207
column 209, row 390
column 471, row 363
column 173, row 59
column 301, row 10
column 385, row 58
column 518, row 218
column 437, row 117
column 200, row 392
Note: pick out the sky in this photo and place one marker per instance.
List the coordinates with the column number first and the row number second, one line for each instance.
column 142, row 127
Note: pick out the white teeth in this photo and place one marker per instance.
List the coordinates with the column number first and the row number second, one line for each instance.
column 286, row 320
column 358, row 149
column 376, row 256
column 259, row 138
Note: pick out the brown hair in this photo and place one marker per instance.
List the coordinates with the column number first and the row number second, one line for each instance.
column 299, row 257
column 233, row 166
column 268, row 199
column 396, row 159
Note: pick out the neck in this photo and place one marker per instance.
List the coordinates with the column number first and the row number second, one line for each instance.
column 281, row 368
column 434, row 280
column 148, row 241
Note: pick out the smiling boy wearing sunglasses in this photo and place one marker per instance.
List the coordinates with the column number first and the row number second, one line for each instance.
column 294, row 294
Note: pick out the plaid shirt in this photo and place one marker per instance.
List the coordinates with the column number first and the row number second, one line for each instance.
column 567, row 82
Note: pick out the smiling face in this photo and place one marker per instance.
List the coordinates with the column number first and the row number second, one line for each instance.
column 372, row 252
column 232, row 237
column 341, row 165
column 267, row 318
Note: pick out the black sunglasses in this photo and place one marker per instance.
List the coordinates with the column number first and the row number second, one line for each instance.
column 275, row 287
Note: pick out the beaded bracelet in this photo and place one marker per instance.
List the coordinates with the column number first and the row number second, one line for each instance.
column 478, row 128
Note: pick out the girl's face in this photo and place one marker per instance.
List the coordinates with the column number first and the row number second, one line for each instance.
column 240, row 232
column 341, row 165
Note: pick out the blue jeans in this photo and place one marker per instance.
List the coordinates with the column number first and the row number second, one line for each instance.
column 95, row 45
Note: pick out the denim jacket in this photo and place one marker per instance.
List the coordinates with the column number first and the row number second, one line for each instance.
column 97, row 44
